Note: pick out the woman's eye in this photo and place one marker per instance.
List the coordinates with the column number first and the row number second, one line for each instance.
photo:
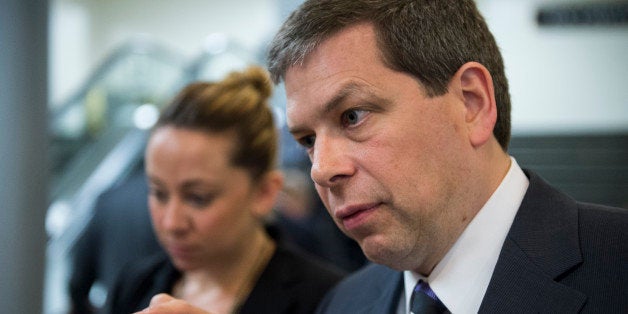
column 352, row 117
column 158, row 195
column 307, row 141
column 199, row 200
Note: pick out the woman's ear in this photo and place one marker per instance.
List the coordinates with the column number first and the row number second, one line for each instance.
column 266, row 193
column 476, row 86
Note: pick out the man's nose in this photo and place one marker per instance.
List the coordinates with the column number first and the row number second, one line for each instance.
column 331, row 162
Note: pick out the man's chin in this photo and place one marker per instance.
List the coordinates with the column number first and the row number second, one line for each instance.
column 377, row 251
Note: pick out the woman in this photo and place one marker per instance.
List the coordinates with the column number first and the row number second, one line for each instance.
column 210, row 164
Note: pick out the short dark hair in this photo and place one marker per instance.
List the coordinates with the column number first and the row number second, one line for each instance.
column 428, row 39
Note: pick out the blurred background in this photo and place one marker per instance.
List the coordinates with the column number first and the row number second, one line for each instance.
column 82, row 80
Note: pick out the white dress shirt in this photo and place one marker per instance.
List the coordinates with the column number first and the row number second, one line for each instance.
column 461, row 278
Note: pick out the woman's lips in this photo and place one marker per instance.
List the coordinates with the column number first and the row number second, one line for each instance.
column 180, row 251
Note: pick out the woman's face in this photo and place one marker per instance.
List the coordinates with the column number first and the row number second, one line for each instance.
column 203, row 208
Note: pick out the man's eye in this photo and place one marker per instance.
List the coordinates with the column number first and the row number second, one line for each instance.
column 352, row 117
column 307, row 141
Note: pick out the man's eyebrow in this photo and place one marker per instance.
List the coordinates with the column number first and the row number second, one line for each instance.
column 342, row 94
column 351, row 89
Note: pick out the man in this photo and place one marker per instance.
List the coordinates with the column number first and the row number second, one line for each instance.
column 404, row 109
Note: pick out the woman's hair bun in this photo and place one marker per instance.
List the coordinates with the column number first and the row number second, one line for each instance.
column 253, row 76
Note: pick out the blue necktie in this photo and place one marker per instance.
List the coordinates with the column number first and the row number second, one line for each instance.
column 425, row 301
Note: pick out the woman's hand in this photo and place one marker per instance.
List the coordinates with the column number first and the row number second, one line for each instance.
column 165, row 304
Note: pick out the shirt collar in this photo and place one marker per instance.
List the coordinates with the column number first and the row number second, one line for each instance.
column 461, row 278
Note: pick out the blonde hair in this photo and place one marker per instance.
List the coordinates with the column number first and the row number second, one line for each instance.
column 238, row 104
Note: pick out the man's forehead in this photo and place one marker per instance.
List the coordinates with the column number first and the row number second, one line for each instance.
column 329, row 71
column 297, row 114
column 295, row 85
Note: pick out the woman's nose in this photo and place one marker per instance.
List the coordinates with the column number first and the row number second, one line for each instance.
column 175, row 218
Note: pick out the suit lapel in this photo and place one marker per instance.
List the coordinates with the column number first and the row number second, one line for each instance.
column 541, row 246
column 520, row 285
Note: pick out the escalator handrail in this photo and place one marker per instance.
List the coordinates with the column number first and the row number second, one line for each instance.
column 139, row 45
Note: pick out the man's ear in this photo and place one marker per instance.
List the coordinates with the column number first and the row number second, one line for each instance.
column 268, row 189
column 477, row 92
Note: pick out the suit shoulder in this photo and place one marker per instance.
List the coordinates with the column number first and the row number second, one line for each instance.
column 373, row 288
column 602, row 275
column 371, row 274
column 602, row 213
column 603, row 231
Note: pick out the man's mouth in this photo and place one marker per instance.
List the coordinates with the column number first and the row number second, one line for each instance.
column 354, row 216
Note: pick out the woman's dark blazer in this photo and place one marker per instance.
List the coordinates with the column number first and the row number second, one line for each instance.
column 291, row 283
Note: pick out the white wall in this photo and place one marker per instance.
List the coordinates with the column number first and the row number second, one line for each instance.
column 84, row 32
column 562, row 79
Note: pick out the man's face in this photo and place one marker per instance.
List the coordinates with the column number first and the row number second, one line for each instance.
column 388, row 162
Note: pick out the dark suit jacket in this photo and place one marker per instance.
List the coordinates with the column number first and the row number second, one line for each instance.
column 560, row 256
column 292, row 283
